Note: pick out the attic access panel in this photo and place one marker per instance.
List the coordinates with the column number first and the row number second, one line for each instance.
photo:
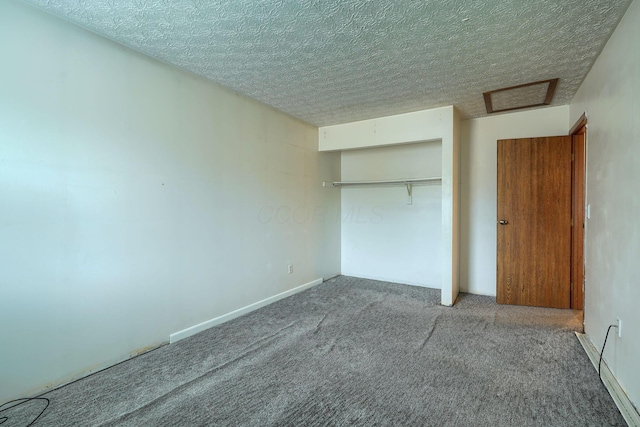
column 526, row 95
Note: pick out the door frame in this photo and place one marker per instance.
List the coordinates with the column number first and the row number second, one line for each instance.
column 578, row 198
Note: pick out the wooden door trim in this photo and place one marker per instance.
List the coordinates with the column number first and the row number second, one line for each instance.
column 578, row 172
column 577, row 126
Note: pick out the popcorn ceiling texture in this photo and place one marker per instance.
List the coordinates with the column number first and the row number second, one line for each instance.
column 335, row 61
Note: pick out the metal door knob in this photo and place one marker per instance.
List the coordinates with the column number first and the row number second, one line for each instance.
column 503, row 222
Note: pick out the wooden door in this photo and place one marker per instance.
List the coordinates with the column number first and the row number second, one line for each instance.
column 534, row 222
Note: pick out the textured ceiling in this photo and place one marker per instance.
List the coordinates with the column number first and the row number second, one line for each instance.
column 336, row 61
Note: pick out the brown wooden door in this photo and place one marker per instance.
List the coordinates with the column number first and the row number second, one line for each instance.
column 534, row 222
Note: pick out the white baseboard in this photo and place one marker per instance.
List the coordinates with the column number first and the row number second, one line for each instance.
column 180, row 335
column 621, row 399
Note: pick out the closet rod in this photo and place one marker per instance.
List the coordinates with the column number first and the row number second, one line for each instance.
column 409, row 183
column 386, row 182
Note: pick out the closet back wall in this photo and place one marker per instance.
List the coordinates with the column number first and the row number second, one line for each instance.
column 382, row 236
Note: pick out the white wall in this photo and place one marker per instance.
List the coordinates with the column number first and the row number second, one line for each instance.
column 451, row 158
column 479, row 192
column 139, row 200
column 611, row 96
column 383, row 237
column 438, row 124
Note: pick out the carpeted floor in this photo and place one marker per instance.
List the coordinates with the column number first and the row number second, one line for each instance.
column 353, row 352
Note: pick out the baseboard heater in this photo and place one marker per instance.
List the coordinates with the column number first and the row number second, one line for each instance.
column 628, row 411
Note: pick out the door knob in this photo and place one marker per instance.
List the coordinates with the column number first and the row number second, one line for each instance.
column 503, row 222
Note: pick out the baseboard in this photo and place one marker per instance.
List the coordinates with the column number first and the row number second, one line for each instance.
column 79, row 375
column 185, row 333
column 628, row 411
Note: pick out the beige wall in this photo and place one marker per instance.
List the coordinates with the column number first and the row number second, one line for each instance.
column 139, row 200
column 611, row 97
column 478, row 178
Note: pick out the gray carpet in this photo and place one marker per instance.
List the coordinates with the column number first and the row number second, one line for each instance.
column 353, row 352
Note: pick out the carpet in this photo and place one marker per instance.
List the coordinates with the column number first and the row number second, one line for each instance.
column 353, row 352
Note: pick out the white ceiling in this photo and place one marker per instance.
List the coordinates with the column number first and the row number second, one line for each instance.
column 336, row 61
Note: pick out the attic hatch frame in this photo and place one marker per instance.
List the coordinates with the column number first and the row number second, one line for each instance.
column 551, row 89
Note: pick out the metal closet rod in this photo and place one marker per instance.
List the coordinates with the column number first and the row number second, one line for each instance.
column 409, row 183
column 389, row 181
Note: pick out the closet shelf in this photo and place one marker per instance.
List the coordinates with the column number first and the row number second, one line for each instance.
column 387, row 182
column 409, row 183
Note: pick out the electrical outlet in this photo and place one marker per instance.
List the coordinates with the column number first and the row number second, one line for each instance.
column 619, row 327
column 290, row 269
